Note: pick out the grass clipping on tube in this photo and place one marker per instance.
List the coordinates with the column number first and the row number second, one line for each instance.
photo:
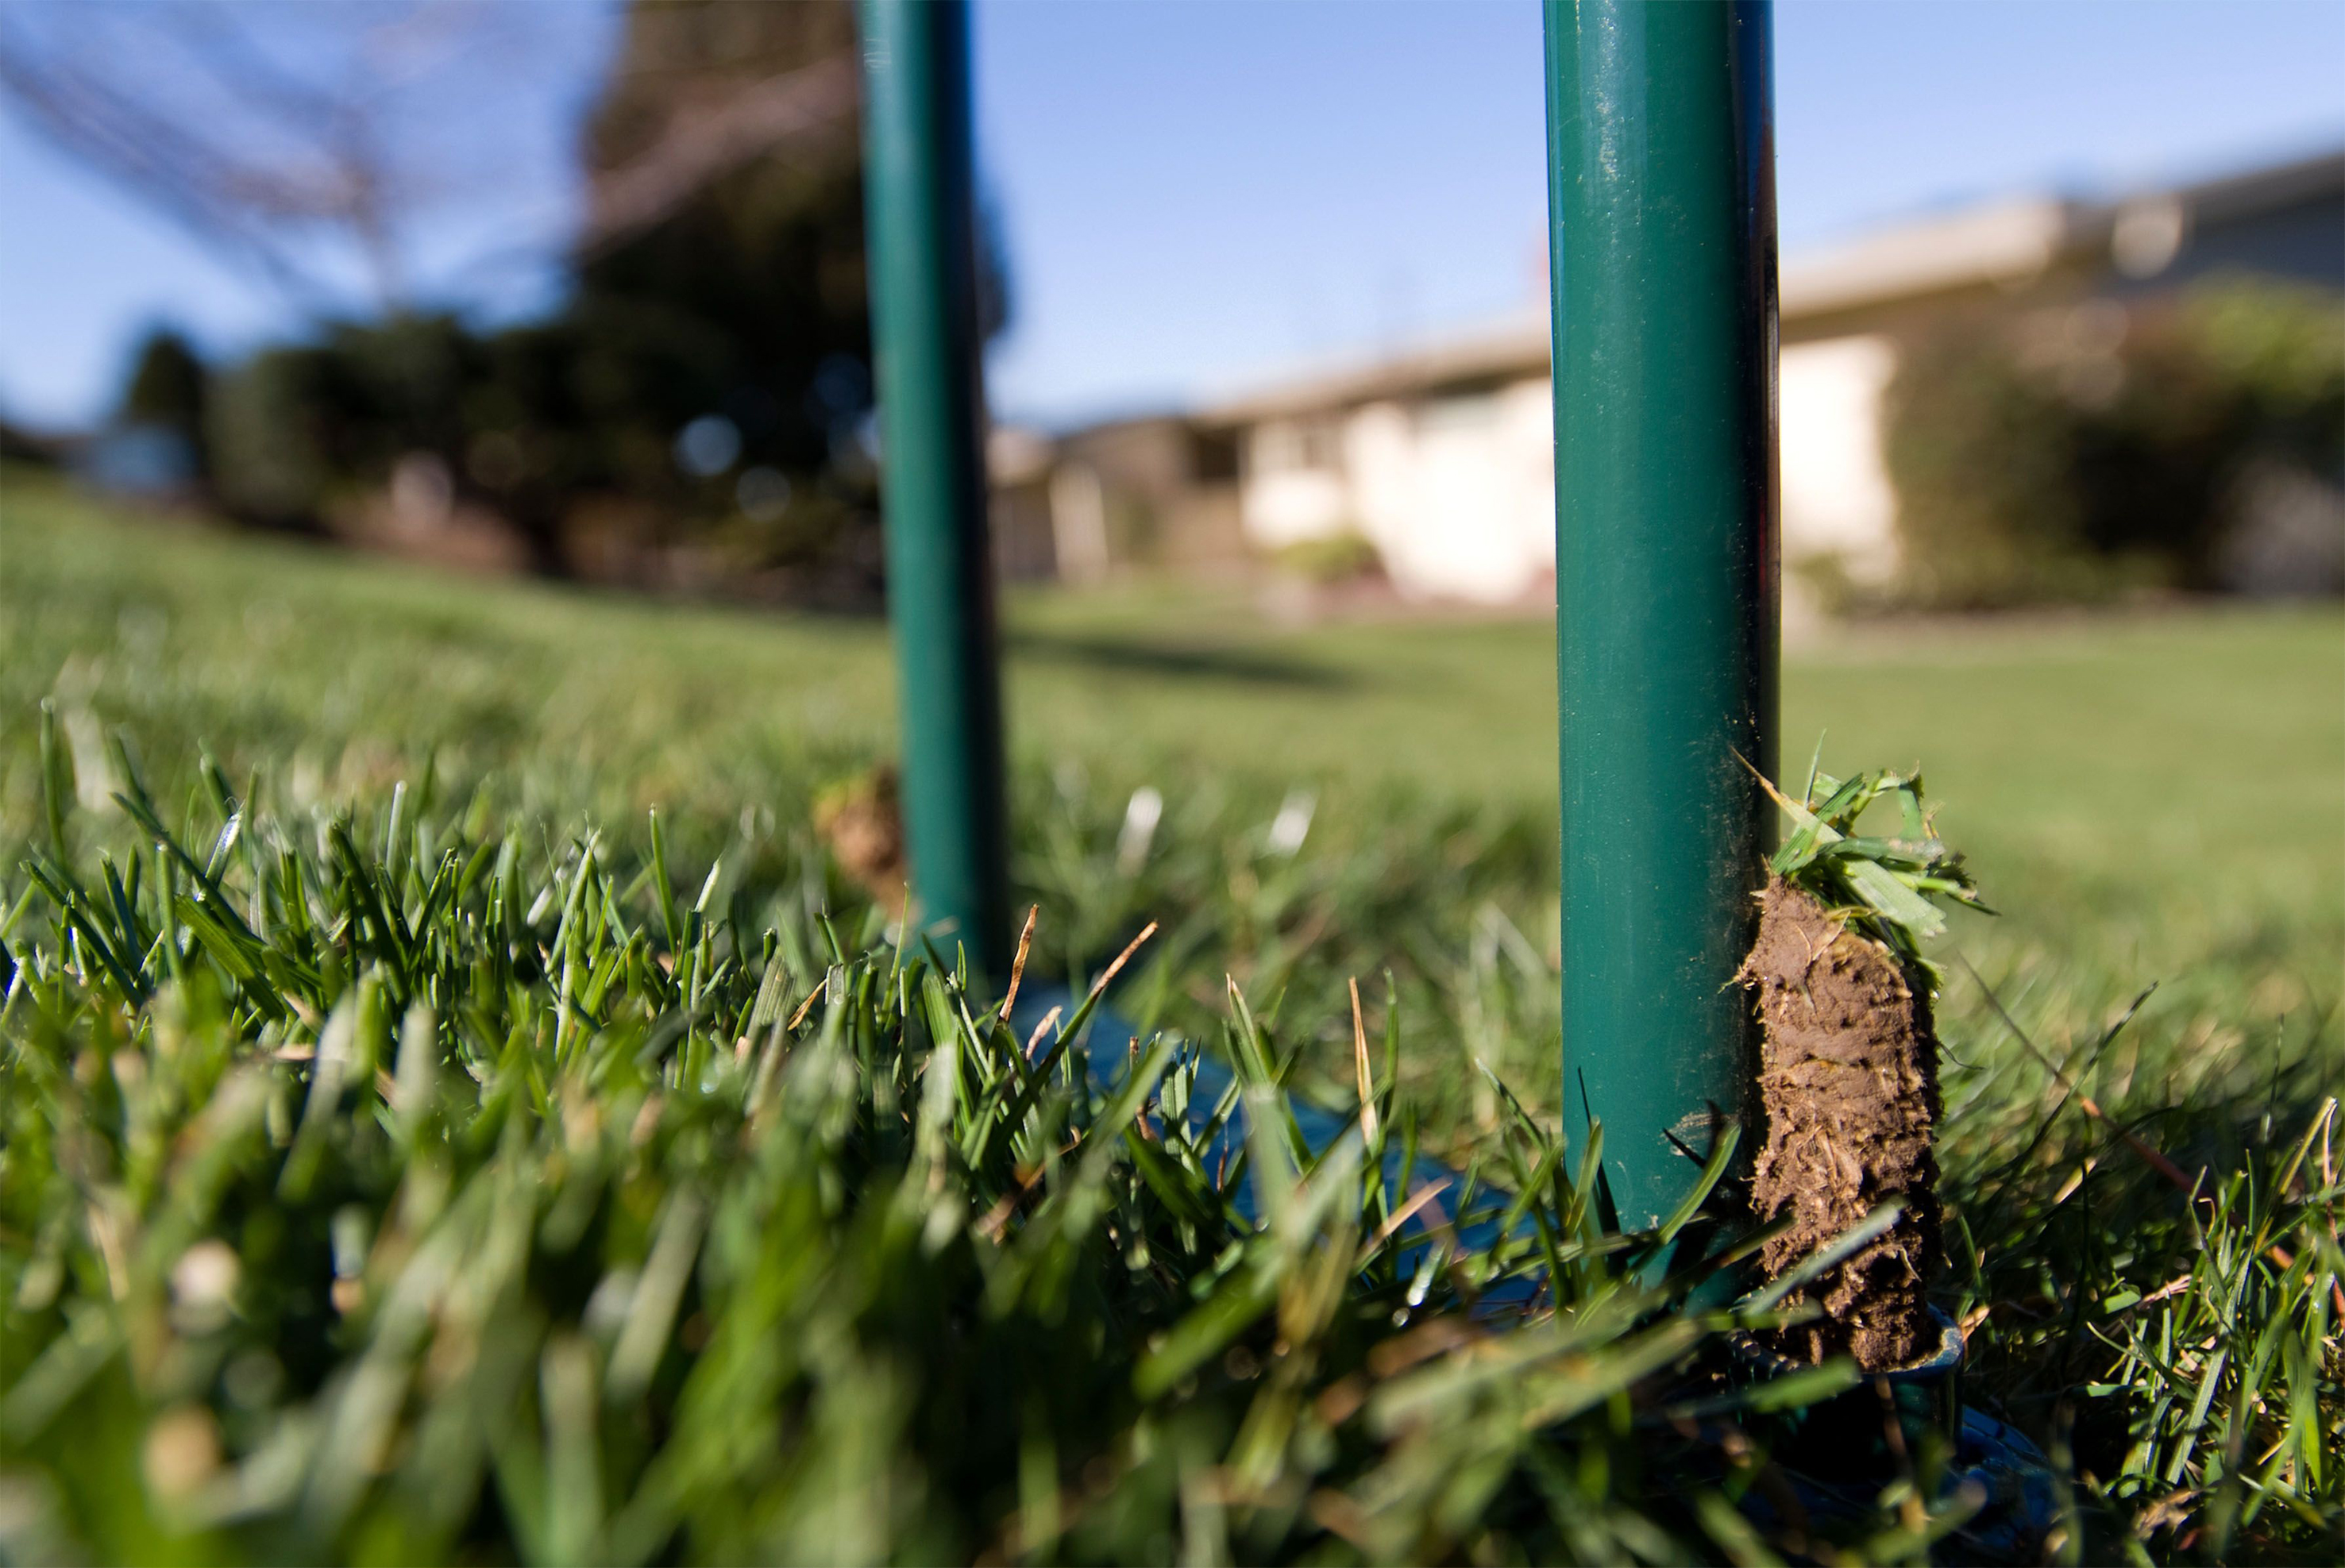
column 1848, row 1070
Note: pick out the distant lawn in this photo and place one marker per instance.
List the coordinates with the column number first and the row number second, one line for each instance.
column 2192, row 759
column 2149, row 797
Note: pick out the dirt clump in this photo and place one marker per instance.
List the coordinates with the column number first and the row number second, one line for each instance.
column 1847, row 1074
column 862, row 822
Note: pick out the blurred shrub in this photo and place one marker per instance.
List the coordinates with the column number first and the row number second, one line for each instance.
column 1330, row 558
column 691, row 417
column 2088, row 451
column 168, row 391
column 565, row 429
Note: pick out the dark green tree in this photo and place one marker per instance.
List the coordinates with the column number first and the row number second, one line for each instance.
column 722, row 274
column 707, row 382
column 168, row 391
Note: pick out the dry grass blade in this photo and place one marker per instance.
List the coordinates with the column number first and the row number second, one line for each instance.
column 1407, row 1211
column 1107, row 976
column 1018, row 964
column 1043, row 1026
column 806, row 1007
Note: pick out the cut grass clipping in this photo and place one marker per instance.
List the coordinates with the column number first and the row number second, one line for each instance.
column 1848, row 1065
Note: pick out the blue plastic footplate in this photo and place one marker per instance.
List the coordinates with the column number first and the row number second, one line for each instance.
column 2008, row 1471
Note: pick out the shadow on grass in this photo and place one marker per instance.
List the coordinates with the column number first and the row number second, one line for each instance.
column 1195, row 662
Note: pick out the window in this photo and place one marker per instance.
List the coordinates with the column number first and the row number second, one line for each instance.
column 1458, row 411
column 1283, row 445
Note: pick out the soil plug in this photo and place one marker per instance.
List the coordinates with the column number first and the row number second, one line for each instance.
column 1848, row 1066
column 1848, row 1076
column 861, row 820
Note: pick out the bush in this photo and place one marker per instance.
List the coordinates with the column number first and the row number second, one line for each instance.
column 2082, row 452
column 563, row 431
column 1330, row 558
column 734, row 305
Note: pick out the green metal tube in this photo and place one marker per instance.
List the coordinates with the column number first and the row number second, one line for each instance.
column 1662, row 214
column 921, row 233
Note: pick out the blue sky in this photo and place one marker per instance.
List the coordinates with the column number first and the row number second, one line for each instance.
column 1199, row 192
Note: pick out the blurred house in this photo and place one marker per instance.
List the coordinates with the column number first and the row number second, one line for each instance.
column 1162, row 489
column 1443, row 458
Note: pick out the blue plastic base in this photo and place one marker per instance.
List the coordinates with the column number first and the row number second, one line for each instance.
column 2009, row 1473
column 1992, row 1461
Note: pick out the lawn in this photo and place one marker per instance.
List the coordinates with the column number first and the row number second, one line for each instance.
column 2151, row 800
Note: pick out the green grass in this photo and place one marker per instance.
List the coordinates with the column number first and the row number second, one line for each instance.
column 2152, row 799
column 417, row 1197
column 2149, row 799
column 2110, row 764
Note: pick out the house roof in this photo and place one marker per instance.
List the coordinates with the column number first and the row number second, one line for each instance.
column 1507, row 348
column 1996, row 245
column 2245, row 192
column 2010, row 243
column 2001, row 242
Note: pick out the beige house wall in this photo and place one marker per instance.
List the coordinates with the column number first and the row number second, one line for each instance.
column 1836, row 495
column 1442, row 456
column 1458, row 492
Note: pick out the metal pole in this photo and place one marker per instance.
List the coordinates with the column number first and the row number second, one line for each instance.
column 922, row 232
column 1661, row 209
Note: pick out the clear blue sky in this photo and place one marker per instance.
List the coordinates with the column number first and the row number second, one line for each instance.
column 1197, row 193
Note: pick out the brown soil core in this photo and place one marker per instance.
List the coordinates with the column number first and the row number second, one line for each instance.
column 863, row 823
column 1849, row 1077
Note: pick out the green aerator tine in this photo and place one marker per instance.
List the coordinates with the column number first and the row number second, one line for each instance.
column 1661, row 212
column 922, row 232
